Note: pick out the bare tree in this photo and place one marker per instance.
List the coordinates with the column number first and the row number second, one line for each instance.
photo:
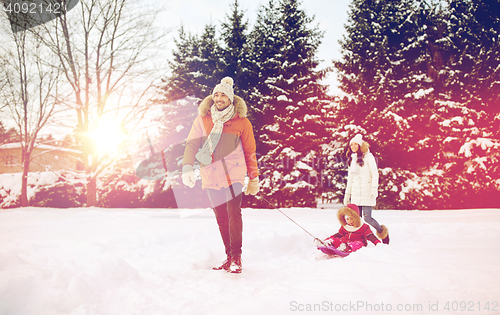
column 29, row 89
column 110, row 57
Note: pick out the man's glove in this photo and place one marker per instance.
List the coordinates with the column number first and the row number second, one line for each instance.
column 188, row 177
column 253, row 186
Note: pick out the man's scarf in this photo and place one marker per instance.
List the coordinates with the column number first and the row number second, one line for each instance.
column 219, row 118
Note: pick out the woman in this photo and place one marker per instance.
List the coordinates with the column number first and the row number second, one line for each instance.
column 362, row 183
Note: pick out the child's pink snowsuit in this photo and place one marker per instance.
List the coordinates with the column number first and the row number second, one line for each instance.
column 356, row 235
column 354, row 245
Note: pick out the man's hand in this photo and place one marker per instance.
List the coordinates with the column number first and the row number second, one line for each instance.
column 188, row 177
column 253, row 186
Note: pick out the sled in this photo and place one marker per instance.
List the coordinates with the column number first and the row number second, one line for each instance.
column 332, row 251
column 154, row 167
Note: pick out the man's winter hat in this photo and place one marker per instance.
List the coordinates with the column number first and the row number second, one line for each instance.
column 225, row 86
column 357, row 139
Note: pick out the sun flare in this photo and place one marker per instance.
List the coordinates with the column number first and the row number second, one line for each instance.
column 108, row 136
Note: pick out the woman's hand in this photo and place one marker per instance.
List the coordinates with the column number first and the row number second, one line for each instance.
column 347, row 199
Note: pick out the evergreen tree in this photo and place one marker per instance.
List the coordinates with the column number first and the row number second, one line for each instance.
column 195, row 65
column 3, row 134
column 390, row 58
column 290, row 144
column 461, row 54
column 419, row 96
column 236, row 51
column 467, row 117
column 377, row 58
column 266, row 42
column 196, row 69
column 181, row 82
column 211, row 66
column 176, row 122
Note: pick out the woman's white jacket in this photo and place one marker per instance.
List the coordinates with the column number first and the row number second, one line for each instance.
column 362, row 181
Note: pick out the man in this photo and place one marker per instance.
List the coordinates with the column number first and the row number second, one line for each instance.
column 222, row 140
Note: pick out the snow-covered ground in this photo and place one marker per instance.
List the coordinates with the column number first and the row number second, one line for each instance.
column 155, row 261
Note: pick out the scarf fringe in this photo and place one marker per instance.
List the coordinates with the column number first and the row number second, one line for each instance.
column 219, row 118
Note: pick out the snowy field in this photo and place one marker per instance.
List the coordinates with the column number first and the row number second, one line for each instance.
column 155, row 261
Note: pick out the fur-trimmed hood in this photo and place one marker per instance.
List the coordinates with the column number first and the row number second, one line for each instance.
column 239, row 105
column 365, row 147
column 350, row 212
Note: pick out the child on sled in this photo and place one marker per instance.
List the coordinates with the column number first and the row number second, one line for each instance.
column 352, row 235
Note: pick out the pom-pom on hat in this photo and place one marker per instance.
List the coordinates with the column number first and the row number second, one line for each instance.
column 357, row 139
column 225, row 86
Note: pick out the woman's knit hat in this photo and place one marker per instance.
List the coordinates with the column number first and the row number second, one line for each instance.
column 225, row 86
column 357, row 139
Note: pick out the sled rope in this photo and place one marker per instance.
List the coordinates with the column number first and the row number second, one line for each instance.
column 262, row 197
column 152, row 149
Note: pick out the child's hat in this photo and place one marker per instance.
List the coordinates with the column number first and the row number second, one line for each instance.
column 350, row 210
column 354, row 207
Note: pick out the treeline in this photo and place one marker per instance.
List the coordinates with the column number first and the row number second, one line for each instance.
column 8, row 135
column 420, row 80
column 276, row 71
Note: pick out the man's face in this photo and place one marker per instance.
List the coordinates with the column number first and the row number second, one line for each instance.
column 221, row 100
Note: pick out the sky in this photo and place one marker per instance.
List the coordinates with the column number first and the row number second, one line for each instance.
column 330, row 17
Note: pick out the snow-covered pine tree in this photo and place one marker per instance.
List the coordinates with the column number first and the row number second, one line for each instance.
column 265, row 46
column 176, row 122
column 195, row 65
column 211, row 66
column 195, row 70
column 180, row 82
column 465, row 169
column 432, row 111
column 378, row 54
column 235, row 53
column 7, row 136
column 290, row 145
column 3, row 133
